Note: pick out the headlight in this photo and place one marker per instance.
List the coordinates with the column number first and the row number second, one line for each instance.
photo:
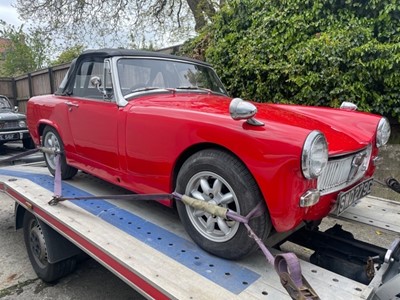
column 315, row 155
column 22, row 124
column 382, row 132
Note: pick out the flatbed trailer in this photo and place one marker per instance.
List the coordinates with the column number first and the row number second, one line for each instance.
column 144, row 243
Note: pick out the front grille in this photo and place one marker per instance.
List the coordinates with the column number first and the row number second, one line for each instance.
column 343, row 171
column 10, row 125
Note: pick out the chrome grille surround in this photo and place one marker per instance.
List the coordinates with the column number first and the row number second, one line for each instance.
column 10, row 125
column 343, row 171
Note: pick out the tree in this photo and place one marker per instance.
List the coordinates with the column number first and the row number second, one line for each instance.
column 108, row 22
column 308, row 52
column 68, row 55
column 24, row 53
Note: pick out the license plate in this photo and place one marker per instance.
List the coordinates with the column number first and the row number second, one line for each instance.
column 346, row 199
column 9, row 136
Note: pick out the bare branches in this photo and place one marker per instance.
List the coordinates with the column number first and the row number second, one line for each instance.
column 109, row 23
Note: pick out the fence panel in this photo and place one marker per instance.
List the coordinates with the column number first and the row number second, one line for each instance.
column 6, row 88
column 40, row 83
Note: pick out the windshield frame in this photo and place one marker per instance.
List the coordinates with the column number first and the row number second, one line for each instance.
column 124, row 98
column 5, row 100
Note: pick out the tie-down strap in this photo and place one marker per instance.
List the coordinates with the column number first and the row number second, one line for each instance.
column 287, row 265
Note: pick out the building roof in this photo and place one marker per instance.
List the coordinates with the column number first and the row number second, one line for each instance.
column 4, row 43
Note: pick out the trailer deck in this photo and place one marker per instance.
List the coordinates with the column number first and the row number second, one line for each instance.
column 144, row 243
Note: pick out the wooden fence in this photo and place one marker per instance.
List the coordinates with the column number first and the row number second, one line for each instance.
column 42, row 82
column 21, row 88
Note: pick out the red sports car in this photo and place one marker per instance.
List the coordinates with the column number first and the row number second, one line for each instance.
column 155, row 123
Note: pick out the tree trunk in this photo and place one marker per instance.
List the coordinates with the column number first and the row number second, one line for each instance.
column 202, row 10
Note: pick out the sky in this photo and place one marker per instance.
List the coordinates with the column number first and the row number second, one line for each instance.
column 9, row 13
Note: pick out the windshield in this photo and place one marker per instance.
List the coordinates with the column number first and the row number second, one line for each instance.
column 140, row 74
column 4, row 103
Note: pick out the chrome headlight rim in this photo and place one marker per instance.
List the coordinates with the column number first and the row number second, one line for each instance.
column 383, row 132
column 22, row 124
column 314, row 138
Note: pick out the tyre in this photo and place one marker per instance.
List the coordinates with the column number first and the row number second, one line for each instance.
column 51, row 139
column 28, row 143
column 37, row 251
column 218, row 177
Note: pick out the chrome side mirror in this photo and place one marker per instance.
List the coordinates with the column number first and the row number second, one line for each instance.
column 16, row 109
column 243, row 110
column 96, row 81
column 348, row 106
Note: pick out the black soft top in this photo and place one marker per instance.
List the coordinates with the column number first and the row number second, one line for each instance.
column 66, row 85
column 106, row 52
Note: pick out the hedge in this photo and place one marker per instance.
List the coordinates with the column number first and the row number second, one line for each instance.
column 308, row 52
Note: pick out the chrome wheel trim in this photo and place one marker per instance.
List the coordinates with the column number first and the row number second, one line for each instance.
column 210, row 187
column 50, row 140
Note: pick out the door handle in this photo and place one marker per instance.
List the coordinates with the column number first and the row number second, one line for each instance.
column 70, row 104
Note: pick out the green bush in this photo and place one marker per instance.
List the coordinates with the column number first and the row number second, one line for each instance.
column 309, row 52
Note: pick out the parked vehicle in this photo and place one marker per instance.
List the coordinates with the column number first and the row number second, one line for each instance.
column 13, row 125
column 155, row 123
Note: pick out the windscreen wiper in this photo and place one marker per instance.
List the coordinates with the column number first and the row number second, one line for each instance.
column 193, row 87
column 147, row 88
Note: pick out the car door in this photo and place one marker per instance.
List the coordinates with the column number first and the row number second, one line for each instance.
column 93, row 119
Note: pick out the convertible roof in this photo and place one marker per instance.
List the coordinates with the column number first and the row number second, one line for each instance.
column 65, row 87
column 108, row 52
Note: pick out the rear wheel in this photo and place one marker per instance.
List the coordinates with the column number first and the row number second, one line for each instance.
column 217, row 177
column 51, row 139
column 37, row 251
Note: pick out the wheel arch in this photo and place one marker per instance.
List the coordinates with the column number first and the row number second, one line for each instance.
column 58, row 247
column 43, row 124
column 38, row 132
column 199, row 147
column 189, row 152
column 19, row 212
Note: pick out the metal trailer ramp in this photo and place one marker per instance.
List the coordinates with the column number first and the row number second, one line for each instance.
column 145, row 244
column 375, row 211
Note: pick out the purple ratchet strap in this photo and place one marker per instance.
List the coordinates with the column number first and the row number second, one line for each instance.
column 287, row 265
column 57, row 176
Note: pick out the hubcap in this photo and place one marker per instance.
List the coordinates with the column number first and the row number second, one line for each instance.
column 210, row 187
column 37, row 244
column 50, row 140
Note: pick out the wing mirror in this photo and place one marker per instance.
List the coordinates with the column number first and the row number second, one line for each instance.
column 243, row 110
column 16, row 109
column 348, row 106
column 96, row 81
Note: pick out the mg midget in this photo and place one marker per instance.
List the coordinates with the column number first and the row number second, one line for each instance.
column 156, row 123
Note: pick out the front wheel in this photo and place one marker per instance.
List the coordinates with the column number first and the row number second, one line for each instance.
column 35, row 243
column 218, row 177
column 51, row 139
